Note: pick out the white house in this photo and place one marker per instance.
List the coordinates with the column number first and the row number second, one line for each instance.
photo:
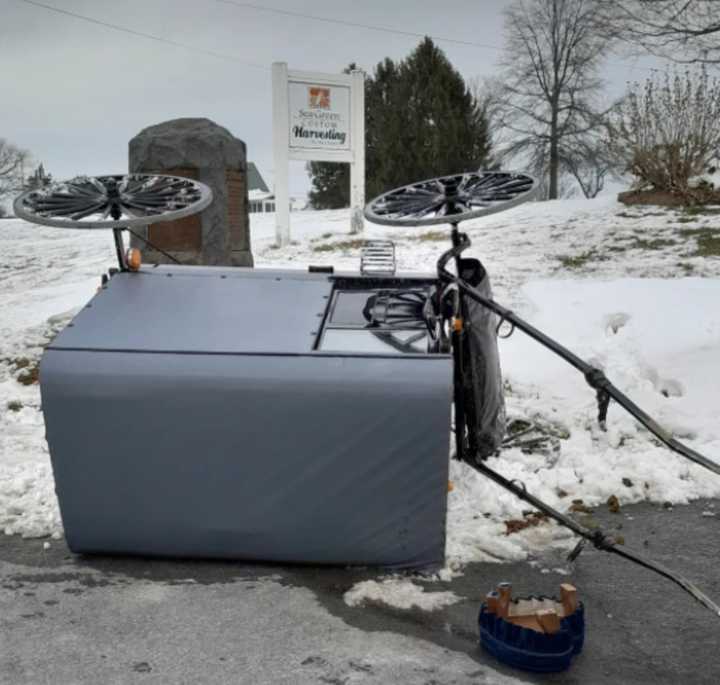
column 260, row 199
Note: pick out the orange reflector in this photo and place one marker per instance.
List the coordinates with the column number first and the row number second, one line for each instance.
column 457, row 324
column 133, row 258
column 451, row 487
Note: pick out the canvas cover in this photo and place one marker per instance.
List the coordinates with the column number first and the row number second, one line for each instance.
column 483, row 379
column 240, row 442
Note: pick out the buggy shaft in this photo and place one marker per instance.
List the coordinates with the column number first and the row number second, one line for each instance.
column 599, row 538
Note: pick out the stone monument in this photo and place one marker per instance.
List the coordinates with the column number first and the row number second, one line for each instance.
column 201, row 150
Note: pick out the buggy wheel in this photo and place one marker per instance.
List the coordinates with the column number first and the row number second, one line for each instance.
column 451, row 199
column 113, row 201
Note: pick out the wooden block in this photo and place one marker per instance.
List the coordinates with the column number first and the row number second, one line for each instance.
column 522, row 607
column 529, row 622
column 549, row 620
column 504, row 591
column 568, row 595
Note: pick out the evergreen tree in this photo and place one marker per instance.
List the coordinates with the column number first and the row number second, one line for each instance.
column 421, row 121
column 330, row 180
column 434, row 127
column 330, row 185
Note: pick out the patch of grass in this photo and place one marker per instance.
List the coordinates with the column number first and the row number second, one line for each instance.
column 685, row 219
column 656, row 244
column 342, row 246
column 687, row 267
column 326, row 235
column 628, row 215
column 14, row 405
column 707, row 240
column 696, row 210
column 433, row 236
column 580, row 260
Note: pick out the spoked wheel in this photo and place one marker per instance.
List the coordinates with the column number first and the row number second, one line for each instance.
column 113, row 201
column 451, row 199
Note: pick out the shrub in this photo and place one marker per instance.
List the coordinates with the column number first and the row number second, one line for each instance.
column 667, row 131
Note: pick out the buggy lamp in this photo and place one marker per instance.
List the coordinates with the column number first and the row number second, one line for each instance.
column 133, row 259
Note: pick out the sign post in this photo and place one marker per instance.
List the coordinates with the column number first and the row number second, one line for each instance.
column 317, row 117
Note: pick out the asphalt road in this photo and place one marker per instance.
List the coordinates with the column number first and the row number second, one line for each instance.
column 68, row 619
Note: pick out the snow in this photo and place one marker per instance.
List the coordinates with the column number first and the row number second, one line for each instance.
column 610, row 282
column 399, row 593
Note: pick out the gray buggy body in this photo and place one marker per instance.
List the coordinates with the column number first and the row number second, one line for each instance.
column 247, row 414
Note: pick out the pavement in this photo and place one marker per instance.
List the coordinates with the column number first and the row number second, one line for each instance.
column 69, row 619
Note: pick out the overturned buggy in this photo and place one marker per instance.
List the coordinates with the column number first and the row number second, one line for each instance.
column 285, row 415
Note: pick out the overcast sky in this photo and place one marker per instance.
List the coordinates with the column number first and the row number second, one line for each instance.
column 74, row 93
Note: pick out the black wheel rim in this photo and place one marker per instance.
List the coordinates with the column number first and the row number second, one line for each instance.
column 451, row 199
column 117, row 201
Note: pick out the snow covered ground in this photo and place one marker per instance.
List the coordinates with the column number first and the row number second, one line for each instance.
column 636, row 290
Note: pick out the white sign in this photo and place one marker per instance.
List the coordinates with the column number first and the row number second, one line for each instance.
column 317, row 117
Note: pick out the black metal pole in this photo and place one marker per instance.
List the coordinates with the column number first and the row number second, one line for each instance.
column 120, row 248
column 598, row 537
column 457, row 349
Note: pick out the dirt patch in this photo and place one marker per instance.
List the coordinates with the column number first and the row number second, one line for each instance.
column 529, row 520
column 29, row 369
column 665, row 198
column 660, row 198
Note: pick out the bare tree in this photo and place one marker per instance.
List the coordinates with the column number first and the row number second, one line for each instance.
column 12, row 161
column 681, row 30
column 552, row 53
column 590, row 162
column 668, row 131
